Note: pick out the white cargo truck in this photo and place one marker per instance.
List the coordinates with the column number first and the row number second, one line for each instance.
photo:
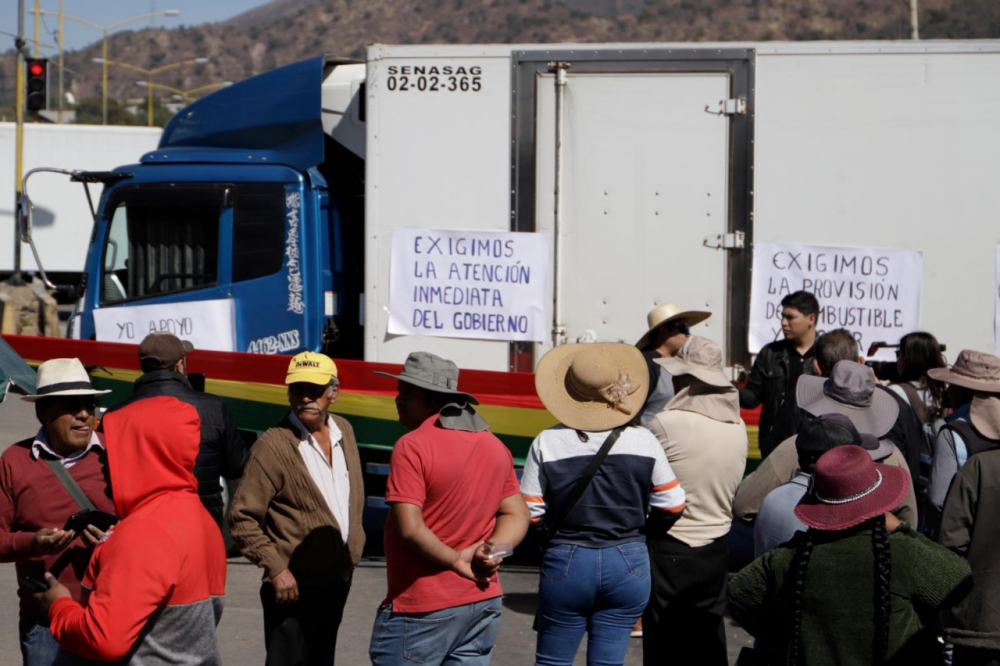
column 673, row 161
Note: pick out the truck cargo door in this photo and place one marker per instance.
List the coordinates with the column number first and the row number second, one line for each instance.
column 653, row 188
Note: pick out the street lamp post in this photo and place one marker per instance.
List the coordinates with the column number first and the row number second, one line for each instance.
column 150, row 73
column 105, row 29
column 183, row 94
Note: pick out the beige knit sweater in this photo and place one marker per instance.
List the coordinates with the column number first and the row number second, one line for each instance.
column 280, row 520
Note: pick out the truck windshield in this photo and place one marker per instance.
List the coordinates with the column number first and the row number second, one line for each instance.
column 161, row 239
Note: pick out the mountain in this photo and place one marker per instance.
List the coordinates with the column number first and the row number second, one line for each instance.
column 285, row 31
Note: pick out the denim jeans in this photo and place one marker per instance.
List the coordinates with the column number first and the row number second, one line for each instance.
column 602, row 591
column 457, row 635
column 39, row 648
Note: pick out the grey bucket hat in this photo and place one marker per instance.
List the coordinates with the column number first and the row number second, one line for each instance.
column 849, row 390
column 433, row 373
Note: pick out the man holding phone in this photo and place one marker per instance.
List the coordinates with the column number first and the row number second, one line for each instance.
column 36, row 504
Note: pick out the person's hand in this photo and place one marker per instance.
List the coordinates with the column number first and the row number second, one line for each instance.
column 48, row 597
column 891, row 523
column 483, row 565
column 91, row 536
column 286, row 589
column 741, row 379
column 463, row 562
column 49, row 541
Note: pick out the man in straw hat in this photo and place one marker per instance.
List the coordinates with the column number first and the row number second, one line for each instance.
column 668, row 329
column 297, row 516
column 451, row 489
column 850, row 390
column 859, row 586
column 705, row 440
column 35, row 504
column 974, row 427
column 779, row 364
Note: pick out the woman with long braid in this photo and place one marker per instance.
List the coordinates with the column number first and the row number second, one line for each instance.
column 859, row 587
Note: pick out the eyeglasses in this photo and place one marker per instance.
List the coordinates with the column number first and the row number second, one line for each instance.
column 73, row 404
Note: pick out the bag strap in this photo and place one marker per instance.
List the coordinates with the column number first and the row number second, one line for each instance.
column 916, row 402
column 581, row 485
column 71, row 486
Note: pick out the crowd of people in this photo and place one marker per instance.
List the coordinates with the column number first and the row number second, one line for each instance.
column 871, row 508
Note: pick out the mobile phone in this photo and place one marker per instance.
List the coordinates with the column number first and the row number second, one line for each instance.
column 99, row 519
column 35, row 584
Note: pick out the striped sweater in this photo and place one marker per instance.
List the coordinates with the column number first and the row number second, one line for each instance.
column 634, row 478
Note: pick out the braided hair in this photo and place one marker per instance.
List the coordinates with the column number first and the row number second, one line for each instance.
column 881, row 596
column 882, row 600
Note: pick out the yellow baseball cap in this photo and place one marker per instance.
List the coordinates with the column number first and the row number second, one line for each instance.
column 312, row 368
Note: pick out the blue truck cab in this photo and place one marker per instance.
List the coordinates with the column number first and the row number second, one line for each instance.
column 248, row 200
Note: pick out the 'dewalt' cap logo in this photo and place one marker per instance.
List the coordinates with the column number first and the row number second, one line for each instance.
column 306, row 364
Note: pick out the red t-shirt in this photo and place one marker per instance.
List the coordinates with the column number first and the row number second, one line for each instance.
column 458, row 479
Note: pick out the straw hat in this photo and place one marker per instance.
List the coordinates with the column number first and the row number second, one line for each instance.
column 973, row 370
column 848, row 489
column 665, row 313
column 593, row 386
column 702, row 359
column 849, row 390
column 62, row 377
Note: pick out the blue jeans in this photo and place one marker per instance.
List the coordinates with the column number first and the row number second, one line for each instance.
column 39, row 648
column 457, row 635
column 602, row 591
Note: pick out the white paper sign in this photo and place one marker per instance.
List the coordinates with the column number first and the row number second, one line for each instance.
column 468, row 284
column 996, row 316
column 873, row 293
column 208, row 325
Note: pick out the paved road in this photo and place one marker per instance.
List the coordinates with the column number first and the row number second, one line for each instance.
column 240, row 633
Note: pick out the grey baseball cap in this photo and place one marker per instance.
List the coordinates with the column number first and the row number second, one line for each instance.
column 431, row 372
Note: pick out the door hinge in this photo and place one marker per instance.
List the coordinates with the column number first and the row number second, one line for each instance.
column 733, row 241
column 729, row 107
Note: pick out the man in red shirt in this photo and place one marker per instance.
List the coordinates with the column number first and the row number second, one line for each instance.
column 34, row 504
column 454, row 499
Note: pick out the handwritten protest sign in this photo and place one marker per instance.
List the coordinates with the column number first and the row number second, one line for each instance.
column 873, row 293
column 468, row 284
column 207, row 325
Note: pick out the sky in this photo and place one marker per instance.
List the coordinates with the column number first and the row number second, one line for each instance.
column 106, row 13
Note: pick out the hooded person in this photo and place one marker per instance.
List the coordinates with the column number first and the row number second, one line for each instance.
column 705, row 441
column 593, row 519
column 859, row 585
column 974, row 427
column 157, row 581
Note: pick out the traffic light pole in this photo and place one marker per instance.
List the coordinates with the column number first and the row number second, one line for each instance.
column 15, row 277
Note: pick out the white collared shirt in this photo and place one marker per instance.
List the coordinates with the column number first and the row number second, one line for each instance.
column 41, row 445
column 331, row 479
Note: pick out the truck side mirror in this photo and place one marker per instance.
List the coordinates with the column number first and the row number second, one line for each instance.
column 23, row 217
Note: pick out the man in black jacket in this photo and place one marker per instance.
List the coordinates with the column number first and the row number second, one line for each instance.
column 222, row 452
column 779, row 364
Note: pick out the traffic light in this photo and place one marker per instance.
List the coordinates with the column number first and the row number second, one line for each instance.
column 36, row 84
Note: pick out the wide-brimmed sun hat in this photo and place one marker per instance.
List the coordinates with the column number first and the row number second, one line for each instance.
column 433, row 373
column 62, row 377
column 974, row 370
column 849, row 390
column 665, row 313
column 593, row 386
column 702, row 359
column 849, row 488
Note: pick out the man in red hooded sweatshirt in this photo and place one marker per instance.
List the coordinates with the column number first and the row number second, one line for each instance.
column 155, row 587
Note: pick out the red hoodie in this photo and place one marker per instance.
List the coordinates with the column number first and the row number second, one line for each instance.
column 157, row 584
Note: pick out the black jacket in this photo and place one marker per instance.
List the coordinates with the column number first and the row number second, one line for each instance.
column 222, row 452
column 769, row 384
